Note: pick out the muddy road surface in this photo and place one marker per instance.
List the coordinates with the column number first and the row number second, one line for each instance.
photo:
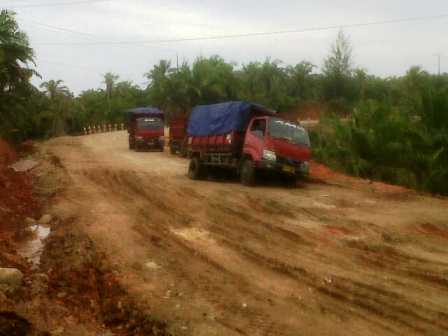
column 329, row 257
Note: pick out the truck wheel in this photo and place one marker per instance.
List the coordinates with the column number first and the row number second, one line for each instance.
column 196, row 169
column 248, row 173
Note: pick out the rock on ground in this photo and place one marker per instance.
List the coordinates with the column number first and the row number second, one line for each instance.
column 45, row 219
column 10, row 279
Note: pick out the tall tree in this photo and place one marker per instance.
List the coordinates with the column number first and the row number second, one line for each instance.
column 16, row 56
column 60, row 99
column 338, row 72
column 158, row 81
column 110, row 79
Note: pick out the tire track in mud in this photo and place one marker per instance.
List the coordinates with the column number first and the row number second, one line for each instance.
column 391, row 306
column 200, row 259
column 347, row 291
column 265, row 249
column 342, row 290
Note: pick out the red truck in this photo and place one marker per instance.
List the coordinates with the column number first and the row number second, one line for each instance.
column 178, row 135
column 146, row 128
column 247, row 138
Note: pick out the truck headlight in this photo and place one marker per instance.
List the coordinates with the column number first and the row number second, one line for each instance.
column 138, row 138
column 269, row 155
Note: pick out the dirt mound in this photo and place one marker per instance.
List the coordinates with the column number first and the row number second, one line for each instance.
column 323, row 173
column 17, row 199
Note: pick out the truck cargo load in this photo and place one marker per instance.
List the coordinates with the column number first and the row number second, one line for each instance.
column 223, row 118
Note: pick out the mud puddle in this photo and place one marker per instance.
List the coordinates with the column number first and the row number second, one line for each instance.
column 32, row 247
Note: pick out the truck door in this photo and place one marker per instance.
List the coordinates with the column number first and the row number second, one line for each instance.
column 254, row 142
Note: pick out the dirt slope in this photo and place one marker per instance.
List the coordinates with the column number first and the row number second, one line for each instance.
column 217, row 258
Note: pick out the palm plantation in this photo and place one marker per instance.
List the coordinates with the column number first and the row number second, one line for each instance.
column 397, row 130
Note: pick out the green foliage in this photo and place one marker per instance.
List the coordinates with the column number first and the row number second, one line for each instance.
column 15, row 90
column 177, row 90
column 401, row 144
column 267, row 83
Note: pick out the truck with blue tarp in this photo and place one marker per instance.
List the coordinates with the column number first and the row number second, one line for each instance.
column 248, row 138
column 146, row 128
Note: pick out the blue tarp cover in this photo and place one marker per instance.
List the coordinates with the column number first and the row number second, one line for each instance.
column 143, row 112
column 222, row 118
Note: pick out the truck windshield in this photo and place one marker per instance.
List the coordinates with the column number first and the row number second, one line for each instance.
column 149, row 123
column 289, row 131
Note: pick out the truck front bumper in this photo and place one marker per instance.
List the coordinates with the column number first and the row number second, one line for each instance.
column 296, row 168
column 149, row 143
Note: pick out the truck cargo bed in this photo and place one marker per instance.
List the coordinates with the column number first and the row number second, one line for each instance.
column 226, row 143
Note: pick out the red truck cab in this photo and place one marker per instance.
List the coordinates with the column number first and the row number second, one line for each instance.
column 247, row 138
column 146, row 129
column 275, row 144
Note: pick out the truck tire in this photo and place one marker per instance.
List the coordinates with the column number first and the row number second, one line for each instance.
column 196, row 170
column 247, row 173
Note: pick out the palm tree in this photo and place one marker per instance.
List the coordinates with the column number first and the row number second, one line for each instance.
column 14, row 53
column 55, row 89
column 58, row 95
column 110, row 80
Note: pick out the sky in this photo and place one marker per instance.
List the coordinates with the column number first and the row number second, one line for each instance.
column 79, row 41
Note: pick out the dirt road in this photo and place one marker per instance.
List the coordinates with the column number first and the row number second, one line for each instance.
column 218, row 258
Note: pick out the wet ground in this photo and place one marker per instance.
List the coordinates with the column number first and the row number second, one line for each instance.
column 32, row 246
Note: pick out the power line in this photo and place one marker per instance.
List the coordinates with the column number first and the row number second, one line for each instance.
column 57, row 28
column 51, row 4
column 254, row 34
column 61, row 29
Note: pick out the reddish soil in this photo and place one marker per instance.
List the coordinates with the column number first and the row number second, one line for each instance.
column 322, row 173
column 17, row 199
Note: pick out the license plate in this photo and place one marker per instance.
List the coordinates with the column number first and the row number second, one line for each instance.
column 289, row 169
